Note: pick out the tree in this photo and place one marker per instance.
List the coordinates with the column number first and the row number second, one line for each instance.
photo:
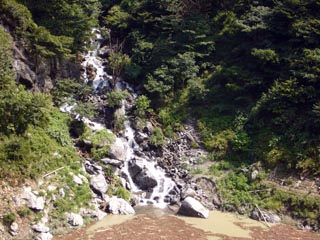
column 117, row 62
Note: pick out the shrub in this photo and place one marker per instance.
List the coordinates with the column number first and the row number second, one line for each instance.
column 101, row 141
column 9, row 218
column 142, row 105
column 157, row 138
column 114, row 98
column 122, row 193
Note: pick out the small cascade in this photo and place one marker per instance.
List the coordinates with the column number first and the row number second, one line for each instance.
column 93, row 63
column 147, row 181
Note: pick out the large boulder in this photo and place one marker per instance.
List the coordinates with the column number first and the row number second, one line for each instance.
column 145, row 180
column 135, row 167
column 99, row 184
column 193, row 208
column 141, row 176
column 118, row 150
column 120, row 206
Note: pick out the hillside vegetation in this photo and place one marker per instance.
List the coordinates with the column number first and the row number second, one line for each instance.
column 248, row 71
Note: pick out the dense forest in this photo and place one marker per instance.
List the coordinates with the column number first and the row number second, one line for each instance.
column 246, row 72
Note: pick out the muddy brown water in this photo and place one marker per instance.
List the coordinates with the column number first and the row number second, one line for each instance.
column 157, row 224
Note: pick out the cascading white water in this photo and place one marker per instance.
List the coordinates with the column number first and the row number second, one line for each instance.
column 101, row 80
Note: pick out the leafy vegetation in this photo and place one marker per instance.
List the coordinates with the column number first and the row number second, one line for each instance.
column 100, row 140
column 247, row 71
column 34, row 136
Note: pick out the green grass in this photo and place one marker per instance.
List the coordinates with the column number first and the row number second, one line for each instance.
column 38, row 150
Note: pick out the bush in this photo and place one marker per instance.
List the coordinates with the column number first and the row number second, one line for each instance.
column 157, row 138
column 101, row 142
column 37, row 151
column 142, row 105
column 122, row 193
column 8, row 219
column 114, row 98
column 67, row 89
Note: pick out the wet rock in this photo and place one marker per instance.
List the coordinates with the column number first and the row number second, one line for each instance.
column 40, row 227
column 120, row 206
column 99, row 183
column 145, row 180
column 104, row 51
column 135, row 167
column 118, row 150
column 140, row 137
column 193, row 208
column 216, row 200
column 75, row 219
column 44, row 236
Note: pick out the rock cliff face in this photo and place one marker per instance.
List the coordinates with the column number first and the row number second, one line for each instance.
column 36, row 72
column 40, row 74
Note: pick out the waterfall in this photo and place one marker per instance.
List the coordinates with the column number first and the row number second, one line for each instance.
column 158, row 195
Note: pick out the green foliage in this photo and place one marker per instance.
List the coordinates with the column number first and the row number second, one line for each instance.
column 38, row 40
column 115, row 97
column 24, row 212
column 157, row 138
column 58, row 128
column 122, row 193
column 85, row 109
column 69, row 18
column 117, row 61
column 6, row 73
column 30, row 155
column 76, row 196
column 117, row 18
column 101, row 141
column 142, row 106
column 220, row 142
column 118, row 122
column 67, row 89
column 8, row 219
column 20, row 109
column 265, row 55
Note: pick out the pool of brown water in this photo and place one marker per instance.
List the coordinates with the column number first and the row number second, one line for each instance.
column 154, row 224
